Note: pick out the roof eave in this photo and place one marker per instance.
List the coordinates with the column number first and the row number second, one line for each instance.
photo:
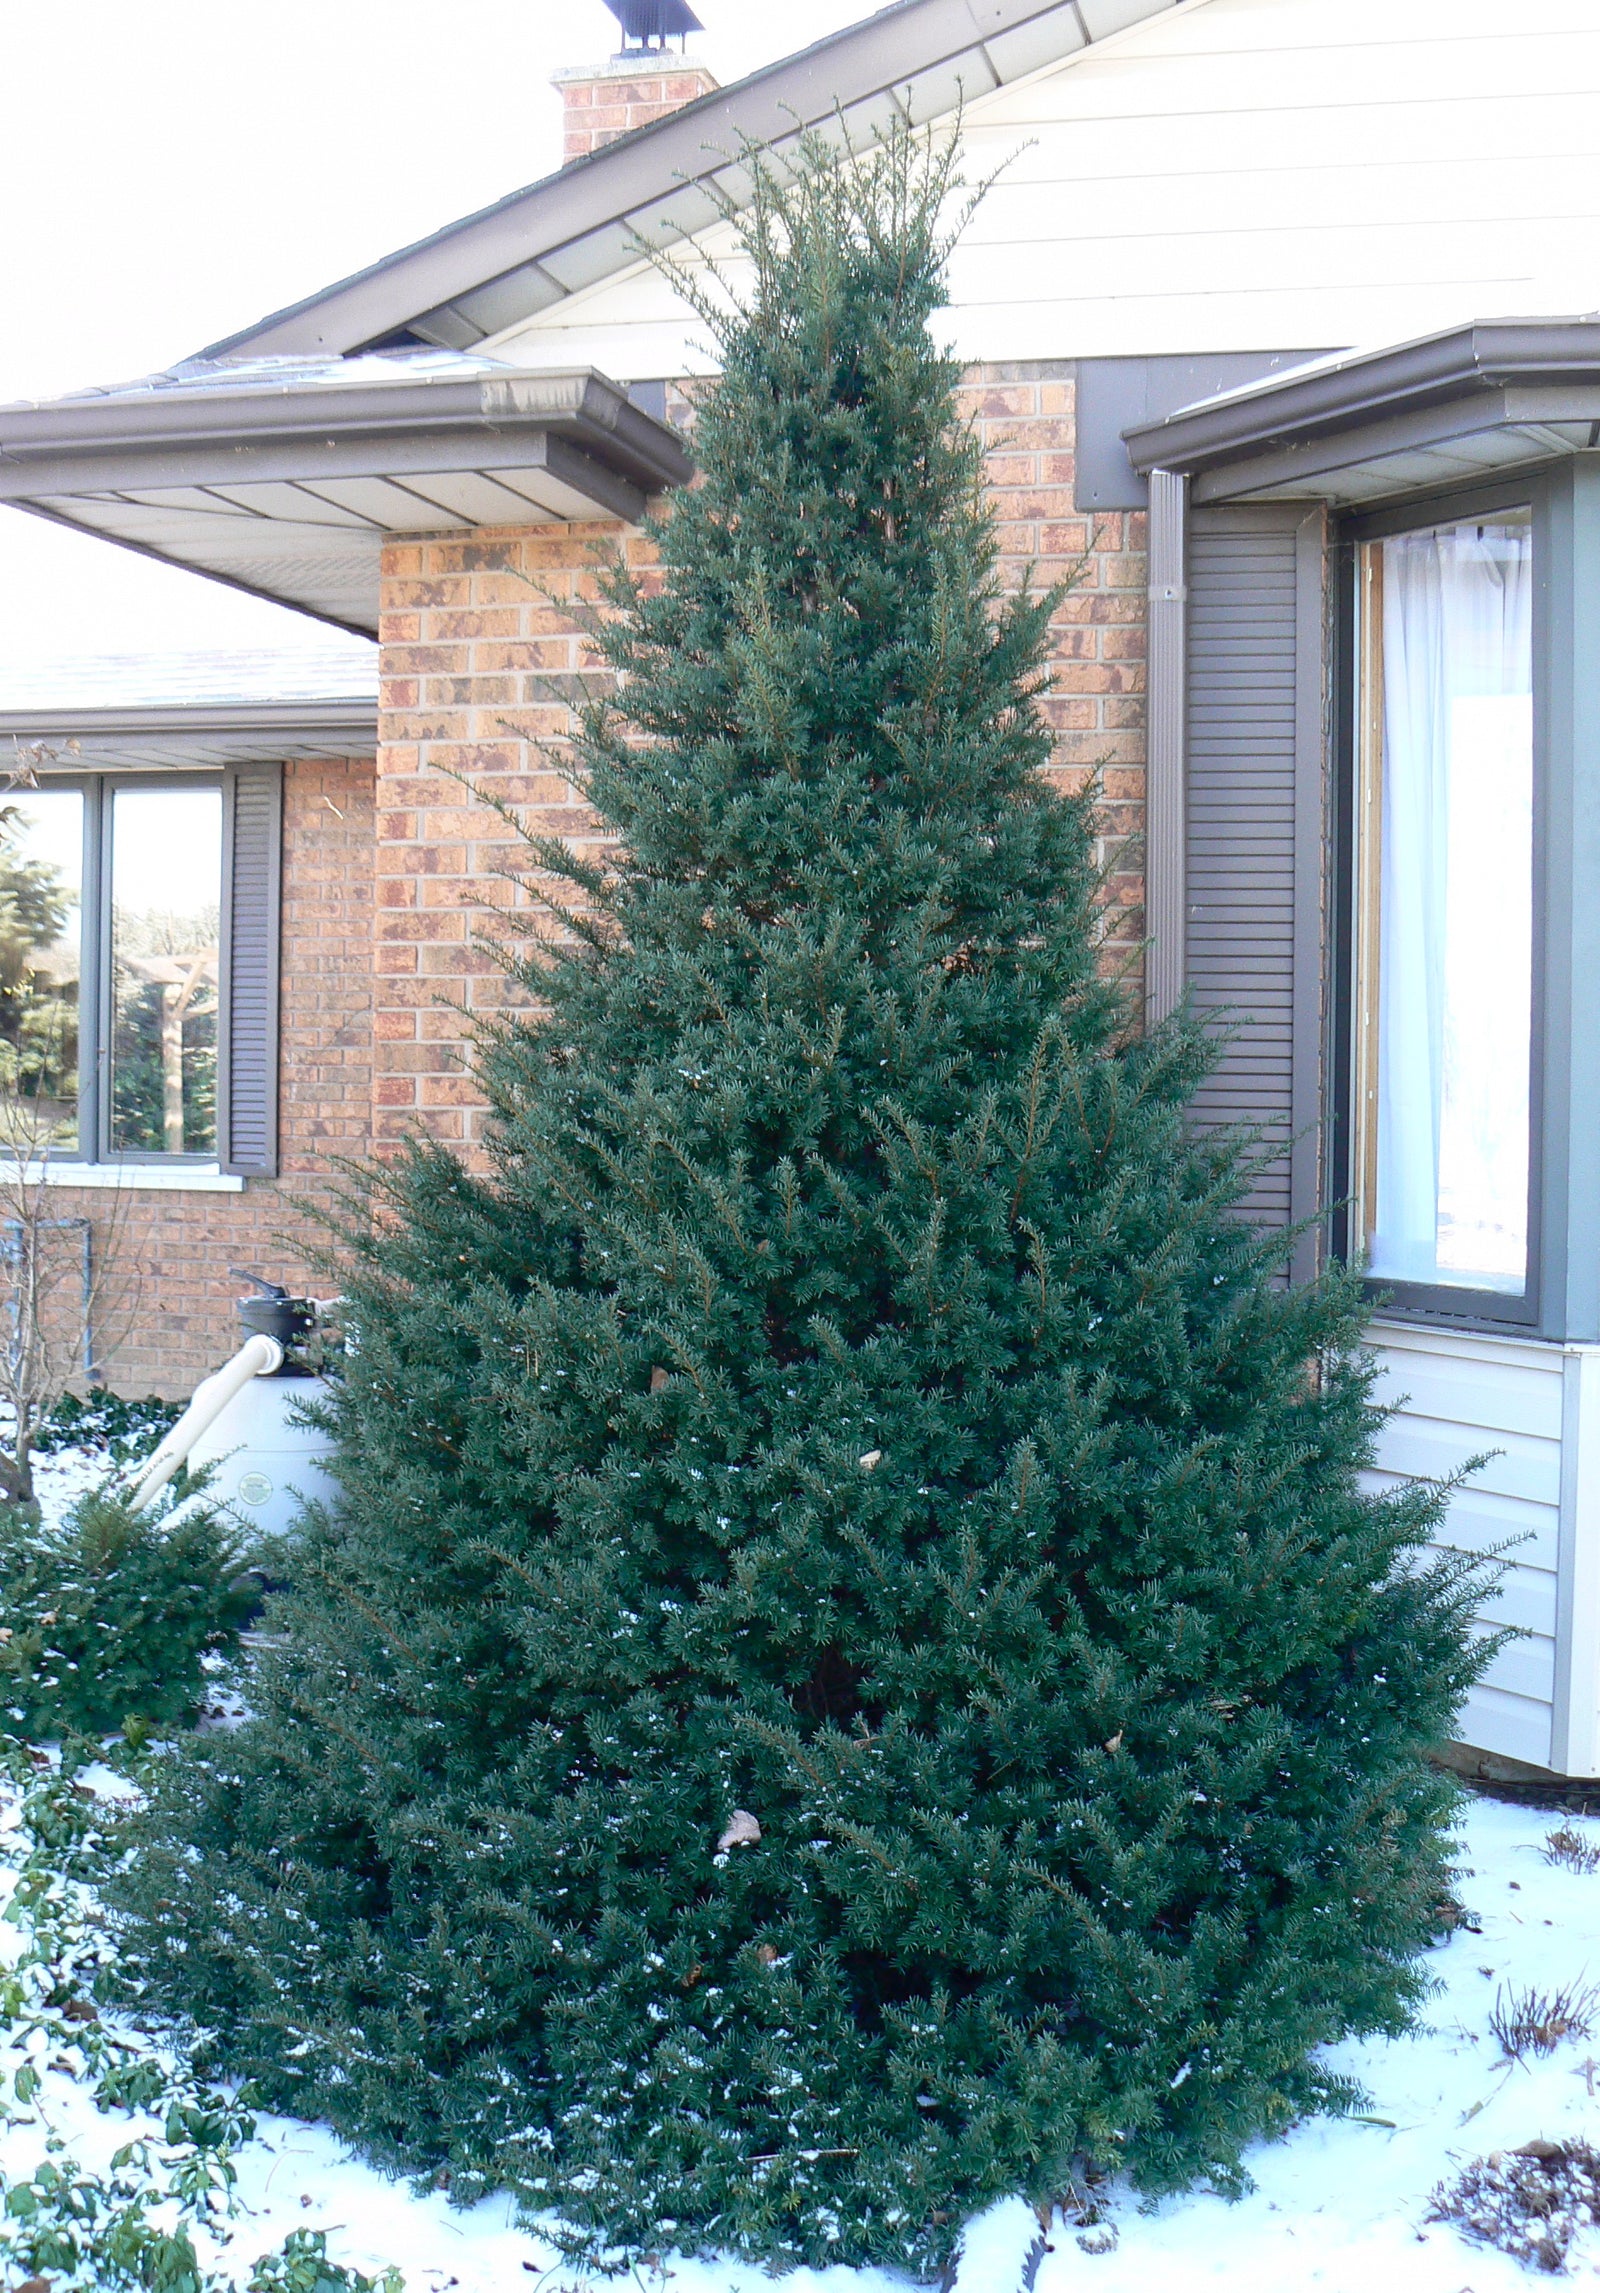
column 1367, row 388
column 576, row 403
column 200, row 734
column 289, row 493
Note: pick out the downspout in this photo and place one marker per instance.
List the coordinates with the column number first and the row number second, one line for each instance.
column 259, row 1356
column 1165, row 804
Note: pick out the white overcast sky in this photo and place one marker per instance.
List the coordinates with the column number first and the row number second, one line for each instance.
column 172, row 169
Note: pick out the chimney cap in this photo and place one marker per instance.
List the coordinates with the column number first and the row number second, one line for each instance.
column 652, row 23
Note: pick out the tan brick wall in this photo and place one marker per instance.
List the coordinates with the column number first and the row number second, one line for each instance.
column 1024, row 415
column 392, row 875
column 478, row 651
column 597, row 107
column 174, row 1249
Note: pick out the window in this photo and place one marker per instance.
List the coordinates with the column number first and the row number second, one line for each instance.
column 165, row 882
column 1444, row 906
column 137, row 985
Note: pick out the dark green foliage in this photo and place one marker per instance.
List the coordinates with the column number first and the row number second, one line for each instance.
column 105, row 1424
column 849, row 1403
column 105, row 1617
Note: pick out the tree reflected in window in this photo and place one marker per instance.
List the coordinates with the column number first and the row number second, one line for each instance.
column 166, row 888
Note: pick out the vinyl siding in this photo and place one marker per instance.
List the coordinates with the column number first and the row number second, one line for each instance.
column 1464, row 1396
column 1242, row 174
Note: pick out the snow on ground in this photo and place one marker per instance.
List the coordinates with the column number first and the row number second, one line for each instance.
column 1339, row 2206
column 63, row 1476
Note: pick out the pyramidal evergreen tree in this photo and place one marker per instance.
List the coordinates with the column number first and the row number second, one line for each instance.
column 854, row 1673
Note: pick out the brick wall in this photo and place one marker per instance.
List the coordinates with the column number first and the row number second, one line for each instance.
column 479, row 650
column 393, row 874
column 1024, row 416
column 173, row 1249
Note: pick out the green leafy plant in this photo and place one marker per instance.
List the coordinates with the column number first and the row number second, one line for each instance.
column 855, row 1671
column 107, row 1616
column 131, row 2230
column 303, row 2267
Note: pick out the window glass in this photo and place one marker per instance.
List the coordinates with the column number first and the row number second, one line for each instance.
column 1446, row 933
column 41, row 878
column 166, row 892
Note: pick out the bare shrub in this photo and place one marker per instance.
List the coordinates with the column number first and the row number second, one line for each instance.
column 1536, row 2022
column 1571, row 1849
column 65, row 1295
column 1530, row 2202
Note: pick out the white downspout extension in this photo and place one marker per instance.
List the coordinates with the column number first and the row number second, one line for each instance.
column 259, row 1356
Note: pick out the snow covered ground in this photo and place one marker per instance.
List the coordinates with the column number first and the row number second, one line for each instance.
column 1340, row 2206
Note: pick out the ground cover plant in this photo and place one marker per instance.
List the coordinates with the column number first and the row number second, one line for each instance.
column 855, row 1673
column 122, row 1429
column 168, row 2193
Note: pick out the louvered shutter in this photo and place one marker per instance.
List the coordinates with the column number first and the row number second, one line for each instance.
column 247, row 1095
column 1255, row 837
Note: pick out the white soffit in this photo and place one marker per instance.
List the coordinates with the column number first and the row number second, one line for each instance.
column 285, row 476
column 1376, row 471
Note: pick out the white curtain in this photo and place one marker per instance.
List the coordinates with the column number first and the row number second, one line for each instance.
column 1455, row 955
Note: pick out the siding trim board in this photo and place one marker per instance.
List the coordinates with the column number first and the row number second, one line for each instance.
column 1165, row 775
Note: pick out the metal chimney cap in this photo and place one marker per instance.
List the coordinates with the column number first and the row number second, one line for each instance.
column 652, row 23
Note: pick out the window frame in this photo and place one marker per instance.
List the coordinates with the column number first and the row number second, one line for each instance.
column 96, row 988
column 1452, row 1304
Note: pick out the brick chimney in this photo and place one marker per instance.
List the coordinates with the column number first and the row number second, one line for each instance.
column 599, row 102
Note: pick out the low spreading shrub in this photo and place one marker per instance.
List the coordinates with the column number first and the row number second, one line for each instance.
column 106, row 1616
column 103, row 1423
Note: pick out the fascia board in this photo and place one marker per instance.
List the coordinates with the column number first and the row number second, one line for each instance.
column 77, row 442
column 626, row 181
column 1369, row 388
column 308, row 461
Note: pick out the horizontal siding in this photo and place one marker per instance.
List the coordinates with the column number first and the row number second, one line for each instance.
column 1243, row 174
column 1517, row 1727
column 1456, row 1397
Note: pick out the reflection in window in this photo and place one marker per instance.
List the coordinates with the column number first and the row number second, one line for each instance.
column 1446, row 923
column 166, row 891
column 41, row 875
